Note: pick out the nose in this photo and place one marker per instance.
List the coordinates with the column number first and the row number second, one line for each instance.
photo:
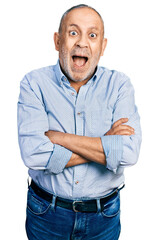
column 82, row 41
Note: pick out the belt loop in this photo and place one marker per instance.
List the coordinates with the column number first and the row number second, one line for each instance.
column 98, row 206
column 53, row 202
column 121, row 187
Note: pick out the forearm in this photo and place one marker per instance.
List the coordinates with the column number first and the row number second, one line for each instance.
column 87, row 147
column 76, row 160
column 91, row 148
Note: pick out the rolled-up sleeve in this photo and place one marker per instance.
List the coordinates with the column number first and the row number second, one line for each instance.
column 113, row 149
column 122, row 150
column 37, row 151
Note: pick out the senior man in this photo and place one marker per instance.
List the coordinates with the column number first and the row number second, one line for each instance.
column 78, row 129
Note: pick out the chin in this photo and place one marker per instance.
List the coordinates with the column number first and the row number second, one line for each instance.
column 77, row 79
column 80, row 78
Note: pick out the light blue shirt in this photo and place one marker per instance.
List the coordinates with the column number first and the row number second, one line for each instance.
column 48, row 102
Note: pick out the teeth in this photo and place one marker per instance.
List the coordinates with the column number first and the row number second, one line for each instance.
column 74, row 57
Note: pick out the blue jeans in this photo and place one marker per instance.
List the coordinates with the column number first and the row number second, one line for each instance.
column 45, row 221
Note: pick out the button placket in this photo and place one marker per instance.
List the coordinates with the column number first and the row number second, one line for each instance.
column 80, row 170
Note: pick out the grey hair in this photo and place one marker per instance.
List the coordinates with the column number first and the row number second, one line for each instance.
column 76, row 7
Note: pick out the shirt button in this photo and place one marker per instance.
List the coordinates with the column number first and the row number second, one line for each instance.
column 73, row 94
column 76, row 182
column 78, row 113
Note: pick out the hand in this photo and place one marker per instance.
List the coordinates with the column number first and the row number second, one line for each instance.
column 55, row 137
column 119, row 129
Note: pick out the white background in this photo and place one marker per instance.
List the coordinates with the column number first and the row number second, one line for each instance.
column 26, row 43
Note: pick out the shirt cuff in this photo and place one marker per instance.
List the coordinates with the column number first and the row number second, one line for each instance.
column 113, row 149
column 59, row 159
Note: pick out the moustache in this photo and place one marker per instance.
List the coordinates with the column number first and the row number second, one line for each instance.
column 80, row 52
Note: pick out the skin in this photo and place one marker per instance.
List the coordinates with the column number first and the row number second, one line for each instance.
column 90, row 149
column 82, row 35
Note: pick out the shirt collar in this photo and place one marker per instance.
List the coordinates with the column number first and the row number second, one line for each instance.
column 61, row 77
column 59, row 74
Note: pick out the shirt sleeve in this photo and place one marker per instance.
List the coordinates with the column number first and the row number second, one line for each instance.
column 122, row 150
column 37, row 151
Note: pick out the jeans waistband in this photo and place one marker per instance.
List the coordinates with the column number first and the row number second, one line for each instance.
column 76, row 206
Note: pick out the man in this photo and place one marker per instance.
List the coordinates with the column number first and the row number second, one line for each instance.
column 78, row 128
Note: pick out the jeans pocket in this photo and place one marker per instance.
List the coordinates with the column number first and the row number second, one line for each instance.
column 35, row 204
column 112, row 207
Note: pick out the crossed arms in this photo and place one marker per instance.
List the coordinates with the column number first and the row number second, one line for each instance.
column 42, row 149
column 86, row 149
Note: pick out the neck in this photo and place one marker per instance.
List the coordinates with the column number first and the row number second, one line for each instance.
column 77, row 85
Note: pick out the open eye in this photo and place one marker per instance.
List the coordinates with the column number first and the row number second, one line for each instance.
column 73, row 33
column 93, row 35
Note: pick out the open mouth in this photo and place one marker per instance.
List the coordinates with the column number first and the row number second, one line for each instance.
column 80, row 61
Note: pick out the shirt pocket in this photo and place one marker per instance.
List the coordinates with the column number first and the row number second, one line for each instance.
column 101, row 121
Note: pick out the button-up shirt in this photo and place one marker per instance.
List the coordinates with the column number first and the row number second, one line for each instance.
column 47, row 101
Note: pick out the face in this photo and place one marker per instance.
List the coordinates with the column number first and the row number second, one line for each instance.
column 80, row 44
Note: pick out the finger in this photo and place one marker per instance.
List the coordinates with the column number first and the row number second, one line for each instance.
column 124, row 132
column 124, row 127
column 120, row 121
column 121, row 130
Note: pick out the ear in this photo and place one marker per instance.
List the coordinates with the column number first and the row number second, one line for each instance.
column 104, row 44
column 56, row 40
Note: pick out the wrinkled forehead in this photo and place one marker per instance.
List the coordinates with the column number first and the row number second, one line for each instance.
column 83, row 17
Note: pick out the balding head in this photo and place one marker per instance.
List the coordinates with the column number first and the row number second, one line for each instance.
column 77, row 7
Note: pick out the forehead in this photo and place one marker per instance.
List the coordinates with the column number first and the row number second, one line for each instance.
column 83, row 17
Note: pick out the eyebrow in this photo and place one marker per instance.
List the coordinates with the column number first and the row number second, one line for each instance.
column 73, row 25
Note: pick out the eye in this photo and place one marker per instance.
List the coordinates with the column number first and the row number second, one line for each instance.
column 73, row 33
column 93, row 35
